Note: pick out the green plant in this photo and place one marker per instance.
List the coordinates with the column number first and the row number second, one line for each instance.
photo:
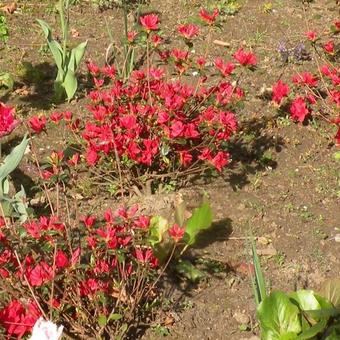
column 226, row 7
column 299, row 315
column 67, row 60
column 4, row 34
column 6, row 81
column 169, row 241
column 14, row 206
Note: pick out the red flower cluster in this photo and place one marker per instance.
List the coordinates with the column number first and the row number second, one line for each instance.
column 7, row 120
column 280, row 90
column 112, row 249
column 188, row 31
column 18, row 319
column 152, row 122
column 245, row 58
column 150, row 22
column 208, row 18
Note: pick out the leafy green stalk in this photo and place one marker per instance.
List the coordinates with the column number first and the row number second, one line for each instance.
column 258, row 282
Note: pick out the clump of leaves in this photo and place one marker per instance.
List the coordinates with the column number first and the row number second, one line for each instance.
column 13, row 206
column 29, row 73
column 4, row 33
column 302, row 314
column 67, row 61
column 6, row 81
column 227, row 7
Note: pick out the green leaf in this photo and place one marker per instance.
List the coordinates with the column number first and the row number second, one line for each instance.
column 158, row 227
column 330, row 290
column 12, row 160
column 6, row 80
column 54, row 46
column 323, row 313
column 336, row 155
column 115, row 317
column 279, row 317
column 102, row 320
column 189, row 271
column 259, row 285
column 77, row 54
column 313, row 331
column 201, row 219
column 305, row 299
column 70, row 84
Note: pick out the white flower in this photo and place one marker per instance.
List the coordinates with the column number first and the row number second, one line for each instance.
column 46, row 330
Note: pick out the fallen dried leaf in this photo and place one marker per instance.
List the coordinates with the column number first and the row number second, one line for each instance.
column 10, row 8
column 221, row 43
column 244, row 268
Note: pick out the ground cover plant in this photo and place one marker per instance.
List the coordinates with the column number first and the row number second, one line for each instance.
column 125, row 211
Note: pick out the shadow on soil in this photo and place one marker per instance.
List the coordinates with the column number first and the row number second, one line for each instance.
column 176, row 286
column 253, row 151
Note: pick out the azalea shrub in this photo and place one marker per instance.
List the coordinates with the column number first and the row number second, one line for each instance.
column 173, row 116
column 95, row 276
column 314, row 93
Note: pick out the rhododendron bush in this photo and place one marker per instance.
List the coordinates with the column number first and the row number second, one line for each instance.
column 162, row 121
column 87, row 275
column 315, row 93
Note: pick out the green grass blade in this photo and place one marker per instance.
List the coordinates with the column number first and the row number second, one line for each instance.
column 259, row 278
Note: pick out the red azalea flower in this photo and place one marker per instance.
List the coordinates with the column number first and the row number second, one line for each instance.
column 7, row 121
column 146, row 257
column 298, row 109
column 225, row 68
column 201, row 61
column 280, row 90
column 18, row 319
column 149, row 22
column 329, row 47
column 89, row 287
column 89, row 221
column 156, row 39
column 325, row 70
column 337, row 25
column 337, row 136
column 244, row 58
column 185, row 158
column 92, row 68
column 131, row 36
column 56, row 117
column 61, row 260
column 142, row 222
column 335, row 97
column 305, row 78
column 220, row 160
column 74, row 160
column 40, row 274
column 37, row 124
column 311, row 35
column 179, row 55
column 207, row 17
column 188, row 31
column 176, row 232
column 109, row 71
column 91, row 156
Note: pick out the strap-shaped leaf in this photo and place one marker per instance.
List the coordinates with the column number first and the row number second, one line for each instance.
column 13, row 159
column 77, row 54
column 201, row 219
column 70, row 84
column 54, row 46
